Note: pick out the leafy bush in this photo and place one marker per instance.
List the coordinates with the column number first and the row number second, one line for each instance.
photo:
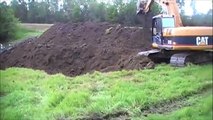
column 8, row 24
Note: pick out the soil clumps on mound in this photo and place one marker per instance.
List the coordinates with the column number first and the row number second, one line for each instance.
column 78, row 48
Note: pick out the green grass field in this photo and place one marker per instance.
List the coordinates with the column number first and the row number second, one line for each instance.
column 153, row 94
column 28, row 30
column 25, row 33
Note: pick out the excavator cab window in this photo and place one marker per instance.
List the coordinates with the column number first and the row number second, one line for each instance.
column 168, row 22
column 157, row 30
column 157, row 26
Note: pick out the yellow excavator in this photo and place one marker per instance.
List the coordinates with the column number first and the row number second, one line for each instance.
column 171, row 41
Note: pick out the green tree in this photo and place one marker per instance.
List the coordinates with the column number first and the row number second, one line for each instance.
column 8, row 22
column 96, row 12
column 112, row 14
column 49, row 11
column 20, row 9
column 127, row 14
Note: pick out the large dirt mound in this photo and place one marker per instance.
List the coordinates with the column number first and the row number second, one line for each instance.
column 78, row 48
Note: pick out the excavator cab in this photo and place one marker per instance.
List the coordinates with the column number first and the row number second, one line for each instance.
column 157, row 31
column 160, row 23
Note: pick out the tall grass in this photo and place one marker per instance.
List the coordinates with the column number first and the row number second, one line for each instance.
column 33, row 94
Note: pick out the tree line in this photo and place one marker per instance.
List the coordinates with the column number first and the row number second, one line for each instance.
column 117, row 11
column 50, row 11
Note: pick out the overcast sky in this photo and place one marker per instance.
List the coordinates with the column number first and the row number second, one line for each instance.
column 202, row 6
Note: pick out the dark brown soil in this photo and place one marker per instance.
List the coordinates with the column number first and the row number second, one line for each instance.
column 78, row 48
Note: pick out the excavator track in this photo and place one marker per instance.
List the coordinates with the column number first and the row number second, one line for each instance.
column 181, row 59
column 178, row 58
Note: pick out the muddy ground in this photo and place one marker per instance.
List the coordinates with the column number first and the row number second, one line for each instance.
column 78, row 48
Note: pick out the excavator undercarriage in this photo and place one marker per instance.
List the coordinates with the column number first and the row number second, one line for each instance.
column 178, row 58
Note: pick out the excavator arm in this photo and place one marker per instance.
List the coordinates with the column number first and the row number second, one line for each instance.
column 170, row 8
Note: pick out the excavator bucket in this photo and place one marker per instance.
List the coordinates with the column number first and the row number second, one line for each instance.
column 142, row 6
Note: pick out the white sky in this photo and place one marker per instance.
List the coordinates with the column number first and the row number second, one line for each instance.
column 202, row 6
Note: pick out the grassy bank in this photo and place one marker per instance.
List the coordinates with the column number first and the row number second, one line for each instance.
column 24, row 33
column 27, row 30
column 33, row 94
